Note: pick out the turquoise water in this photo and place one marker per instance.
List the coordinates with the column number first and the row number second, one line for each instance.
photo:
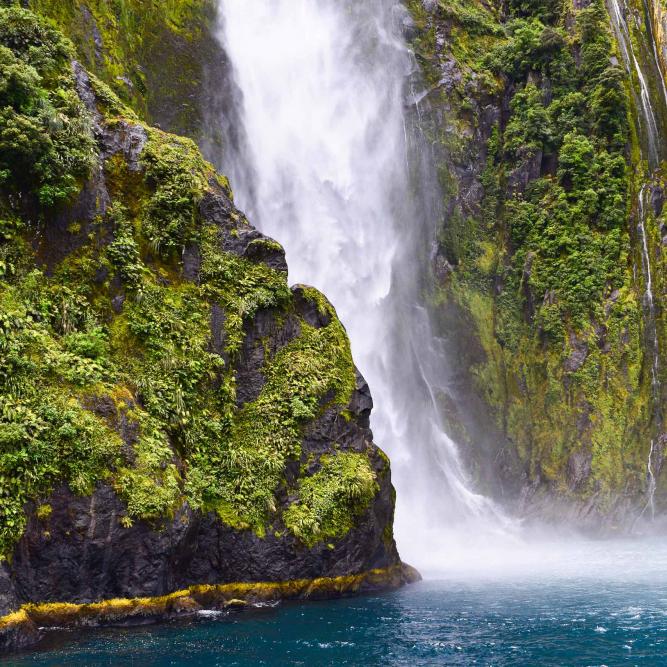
column 587, row 620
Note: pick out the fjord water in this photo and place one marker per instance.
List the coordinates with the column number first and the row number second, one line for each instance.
column 587, row 604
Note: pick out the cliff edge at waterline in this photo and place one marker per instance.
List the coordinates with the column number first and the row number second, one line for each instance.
column 173, row 415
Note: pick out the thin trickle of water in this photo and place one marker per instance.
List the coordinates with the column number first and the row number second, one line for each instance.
column 324, row 86
column 649, row 118
column 652, row 485
column 649, row 299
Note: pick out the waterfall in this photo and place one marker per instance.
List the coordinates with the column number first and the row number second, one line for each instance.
column 328, row 150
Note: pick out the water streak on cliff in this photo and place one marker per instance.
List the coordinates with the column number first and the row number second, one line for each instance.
column 649, row 118
column 649, row 299
column 652, row 97
column 331, row 151
column 652, row 342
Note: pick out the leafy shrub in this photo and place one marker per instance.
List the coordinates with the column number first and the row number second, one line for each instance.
column 331, row 499
column 173, row 168
column 46, row 143
column 529, row 129
column 123, row 251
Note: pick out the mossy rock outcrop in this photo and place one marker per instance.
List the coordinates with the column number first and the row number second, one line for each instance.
column 156, row 56
column 172, row 414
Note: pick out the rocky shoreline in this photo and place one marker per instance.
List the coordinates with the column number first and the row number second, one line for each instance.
column 27, row 626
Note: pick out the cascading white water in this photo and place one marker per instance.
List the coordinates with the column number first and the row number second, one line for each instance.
column 328, row 146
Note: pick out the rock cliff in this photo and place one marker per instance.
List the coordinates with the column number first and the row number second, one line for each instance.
column 550, row 245
column 172, row 415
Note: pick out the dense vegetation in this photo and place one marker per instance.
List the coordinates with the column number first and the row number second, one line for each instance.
column 112, row 369
column 152, row 55
column 545, row 261
column 566, row 228
column 45, row 136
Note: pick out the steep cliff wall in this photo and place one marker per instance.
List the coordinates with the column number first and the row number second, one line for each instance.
column 536, row 113
column 156, row 56
column 544, row 152
column 171, row 413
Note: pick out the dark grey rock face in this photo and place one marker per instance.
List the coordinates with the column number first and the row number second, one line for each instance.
column 577, row 356
column 579, row 468
column 8, row 600
column 82, row 551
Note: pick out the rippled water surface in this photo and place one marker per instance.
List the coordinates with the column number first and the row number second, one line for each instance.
column 603, row 604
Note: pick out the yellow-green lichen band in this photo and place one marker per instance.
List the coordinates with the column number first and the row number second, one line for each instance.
column 65, row 614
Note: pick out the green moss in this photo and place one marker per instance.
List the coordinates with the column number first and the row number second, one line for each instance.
column 46, row 143
column 113, row 340
column 45, row 439
column 331, row 500
column 123, row 252
column 240, row 286
column 151, row 484
column 176, row 173
column 130, row 46
column 44, row 512
column 240, row 474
